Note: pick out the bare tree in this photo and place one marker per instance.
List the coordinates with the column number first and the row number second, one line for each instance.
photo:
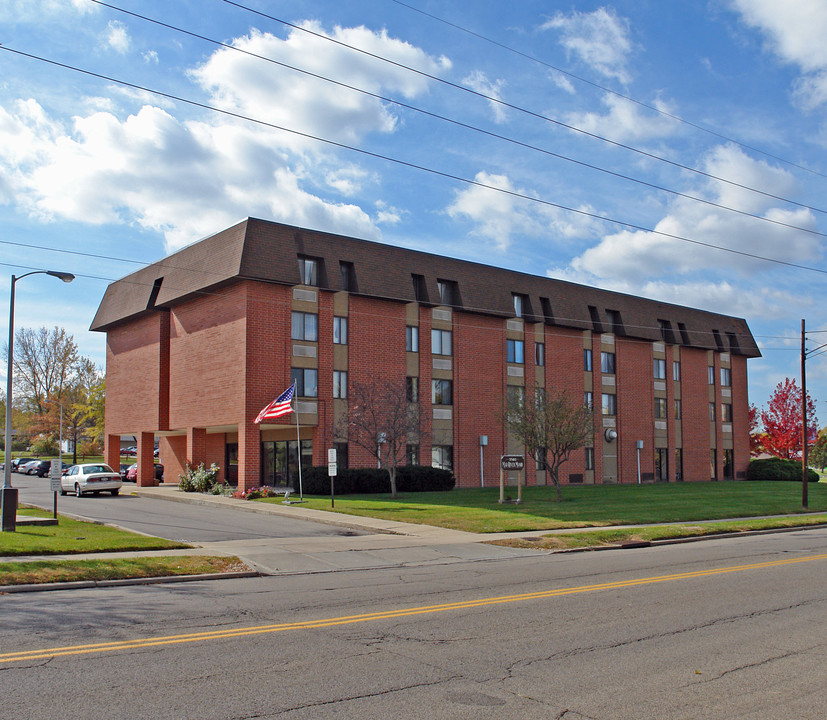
column 380, row 419
column 551, row 428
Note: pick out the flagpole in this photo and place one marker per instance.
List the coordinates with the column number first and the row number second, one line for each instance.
column 299, row 444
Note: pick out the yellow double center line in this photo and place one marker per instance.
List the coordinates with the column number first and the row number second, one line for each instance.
column 29, row 655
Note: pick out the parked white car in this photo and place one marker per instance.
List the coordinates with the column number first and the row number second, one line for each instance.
column 90, row 477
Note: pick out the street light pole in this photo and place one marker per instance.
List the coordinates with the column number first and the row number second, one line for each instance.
column 8, row 497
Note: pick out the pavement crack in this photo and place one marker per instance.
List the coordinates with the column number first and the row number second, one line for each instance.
column 750, row 666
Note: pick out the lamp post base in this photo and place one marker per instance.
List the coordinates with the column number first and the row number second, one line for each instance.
column 9, row 510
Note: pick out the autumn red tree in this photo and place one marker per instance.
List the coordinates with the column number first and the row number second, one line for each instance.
column 782, row 421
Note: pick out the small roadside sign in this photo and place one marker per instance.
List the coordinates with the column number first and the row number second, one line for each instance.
column 54, row 476
column 331, row 469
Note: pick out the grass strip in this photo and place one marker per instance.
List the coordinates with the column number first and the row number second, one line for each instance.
column 75, row 536
column 620, row 536
column 49, row 571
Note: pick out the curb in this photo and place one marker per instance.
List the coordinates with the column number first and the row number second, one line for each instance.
column 88, row 584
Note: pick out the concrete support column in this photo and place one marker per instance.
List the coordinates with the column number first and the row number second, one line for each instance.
column 146, row 459
column 249, row 456
column 196, row 447
column 112, row 451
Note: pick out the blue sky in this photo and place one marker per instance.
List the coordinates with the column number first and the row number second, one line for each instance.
column 602, row 122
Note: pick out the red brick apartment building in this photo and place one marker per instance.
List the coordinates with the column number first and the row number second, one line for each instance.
column 198, row 343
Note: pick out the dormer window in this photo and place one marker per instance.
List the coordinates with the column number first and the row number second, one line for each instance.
column 308, row 271
column 448, row 292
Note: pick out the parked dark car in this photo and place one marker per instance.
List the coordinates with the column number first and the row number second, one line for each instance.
column 124, row 467
column 17, row 462
column 132, row 473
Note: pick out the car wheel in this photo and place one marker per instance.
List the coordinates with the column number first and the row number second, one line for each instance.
column 114, row 492
column 77, row 490
column 62, row 492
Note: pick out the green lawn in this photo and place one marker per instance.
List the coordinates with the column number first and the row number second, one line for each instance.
column 478, row 510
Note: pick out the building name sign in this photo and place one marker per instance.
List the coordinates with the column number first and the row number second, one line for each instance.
column 512, row 462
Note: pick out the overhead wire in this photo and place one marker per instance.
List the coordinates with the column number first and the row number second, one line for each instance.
column 603, row 88
column 526, row 111
column 462, row 124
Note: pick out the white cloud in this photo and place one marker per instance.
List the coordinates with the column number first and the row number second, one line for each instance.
column 117, row 37
column 562, row 81
column 478, row 81
column 150, row 57
column 290, row 99
column 36, row 10
column 600, row 39
column 498, row 216
column 626, row 121
column 796, row 32
column 388, row 215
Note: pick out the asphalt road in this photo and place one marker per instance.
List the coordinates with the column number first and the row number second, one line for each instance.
column 723, row 629
column 171, row 520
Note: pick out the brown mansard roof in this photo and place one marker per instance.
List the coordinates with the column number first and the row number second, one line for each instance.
column 268, row 252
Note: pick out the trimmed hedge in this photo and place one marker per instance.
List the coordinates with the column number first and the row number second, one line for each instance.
column 778, row 469
column 363, row 481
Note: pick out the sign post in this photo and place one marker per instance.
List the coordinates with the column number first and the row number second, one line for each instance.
column 511, row 462
column 332, row 471
column 54, row 478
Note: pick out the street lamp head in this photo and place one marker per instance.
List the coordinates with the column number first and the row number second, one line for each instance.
column 66, row 277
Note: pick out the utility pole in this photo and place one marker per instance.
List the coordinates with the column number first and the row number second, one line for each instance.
column 803, row 418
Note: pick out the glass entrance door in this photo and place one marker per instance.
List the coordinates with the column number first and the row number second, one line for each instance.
column 280, row 462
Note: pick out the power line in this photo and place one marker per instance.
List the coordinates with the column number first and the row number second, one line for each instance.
column 525, row 111
column 414, row 166
column 461, row 124
column 581, row 79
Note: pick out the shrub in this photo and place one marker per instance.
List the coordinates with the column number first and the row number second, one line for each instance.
column 351, row 481
column 198, row 480
column 264, row 491
column 44, row 446
column 778, row 469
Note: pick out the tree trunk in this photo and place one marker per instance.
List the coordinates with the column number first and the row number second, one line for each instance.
column 392, row 475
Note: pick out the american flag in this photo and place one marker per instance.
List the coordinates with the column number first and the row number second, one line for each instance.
column 280, row 406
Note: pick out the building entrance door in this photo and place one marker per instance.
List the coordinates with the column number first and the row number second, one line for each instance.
column 280, row 462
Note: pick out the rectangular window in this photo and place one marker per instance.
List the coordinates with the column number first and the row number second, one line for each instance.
column 441, row 342
column 589, row 458
column 442, row 456
column 609, row 404
column 518, row 305
column 607, row 363
column 412, row 338
column 340, row 330
column 676, row 371
column 307, row 381
column 588, row 399
column 515, row 351
column 514, row 395
column 660, row 369
column 539, row 354
column 348, row 275
column 420, row 288
column 677, row 409
column 726, row 377
column 710, row 375
column 713, row 464
column 412, row 389
column 678, row 464
column 339, row 383
column 587, row 360
column 448, row 292
column 726, row 412
column 441, row 392
column 411, row 454
column 712, row 412
column 661, row 464
column 308, row 271
column 660, row 408
column 729, row 464
column 341, row 455
column 304, row 326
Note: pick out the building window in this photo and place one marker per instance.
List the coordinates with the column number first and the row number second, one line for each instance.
column 412, row 338
column 520, row 305
column 448, row 292
column 660, row 408
column 441, row 392
column 588, row 399
column 587, row 360
column 514, row 395
column 441, row 342
column 609, row 404
column 304, row 326
column 661, row 464
column 340, row 383
column 729, row 465
column 713, row 464
column 677, row 409
column 412, row 389
column 710, row 375
column 411, row 454
column 442, row 456
column 340, row 330
column 539, row 354
column 726, row 412
column 726, row 377
column 589, row 458
column 607, row 363
column 712, row 412
column 307, row 381
column 678, row 464
column 341, row 455
column 348, row 275
column 515, row 351
column 660, row 369
column 308, row 271
column 676, row 371
column 420, row 288
column 666, row 331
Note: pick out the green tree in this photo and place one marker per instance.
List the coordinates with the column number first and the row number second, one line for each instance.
column 551, row 427
column 818, row 453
